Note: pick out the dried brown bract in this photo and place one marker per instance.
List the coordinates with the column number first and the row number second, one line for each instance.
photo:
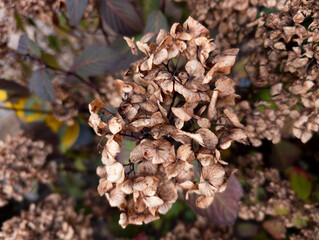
column 176, row 104
column 53, row 218
column 21, row 162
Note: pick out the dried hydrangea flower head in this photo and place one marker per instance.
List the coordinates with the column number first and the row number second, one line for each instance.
column 200, row 229
column 285, row 57
column 229, row 19
column 176, row 105
column 22, row 161
column 53, row 218
column 280, row 205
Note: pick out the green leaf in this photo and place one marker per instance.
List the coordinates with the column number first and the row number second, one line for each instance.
column 281, row 211
column 149, row 6
column 50, row 60
column 121, row 16
column 299, row 222
column 19, row 21
column 27, row 46
column 156, row 21
column 76, row 10
column 54, row 43
column 40, row 83
column 300, row 184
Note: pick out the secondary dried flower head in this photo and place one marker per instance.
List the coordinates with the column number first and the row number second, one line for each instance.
column 280, row 205
column 53, row 218
column 176, row 105
column 21, row 162
column 284, row 57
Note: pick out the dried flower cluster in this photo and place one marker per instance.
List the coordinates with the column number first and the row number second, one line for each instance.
column 201, row 229
column 42, row 9
column 23, row 161
column 279, row 202
column 287, row 60
column 280, row 40
column 176, row 104
column 53, row 218
column 229, row 19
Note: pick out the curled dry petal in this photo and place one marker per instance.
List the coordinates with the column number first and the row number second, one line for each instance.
column 104, row 186
column 115, row 125
column 223, row 64
column 233, row 118
column 204, row 201
column 110, row 151
column 131, row 44
column 209, row 139
column 195, row 28
column 211, row 179
column 212, row 106
column 189, row 95
column 153, row 201
column 154, row 120
column 115, row 172
column 116, row 197
column 123, row 87
column 182, row 113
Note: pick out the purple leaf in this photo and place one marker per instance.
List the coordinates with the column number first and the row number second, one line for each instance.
column 155, row 21
column 27, row 47
column 97, row 59
column 40, row 83
column 76, row 10
column 93, row 60
column 121, row 16
column 224, row 209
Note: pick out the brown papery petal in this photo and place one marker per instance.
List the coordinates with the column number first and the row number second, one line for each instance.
column 115, row 172
column 207, row 189
column 137, row 154
column 184, row 152
column 116, row 197
column 225, row 87
column 224, row 62
column 203, row 201
column 233, row 118
column 115, row 125
column 160, row 57
column 153, row 201
column 112, row 148
column 195, row 28
column 209, row 138
column 96, row 105
column 194, row 68
column 122, row 87
column 211, row 114
column 104, row 186
column 182, row 113
column 131, row 44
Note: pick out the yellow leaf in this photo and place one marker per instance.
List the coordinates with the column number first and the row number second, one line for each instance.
column 3, row 95
column 71, row 135
column 53, row 123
